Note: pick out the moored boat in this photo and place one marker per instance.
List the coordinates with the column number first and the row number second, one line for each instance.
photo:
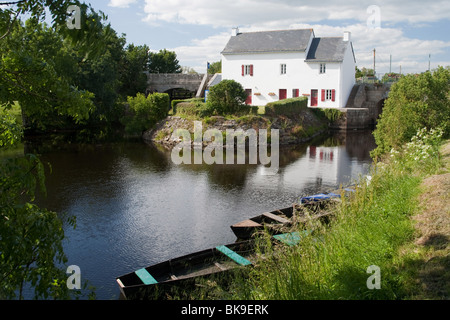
column 277, row 221
column 182, row 270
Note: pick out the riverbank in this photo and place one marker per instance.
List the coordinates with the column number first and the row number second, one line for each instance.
column 388, row 241
column 295, row 129
column 432, row 242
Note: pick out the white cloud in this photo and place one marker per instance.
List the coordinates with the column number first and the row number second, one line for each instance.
column 121, row 3
column 270, row 12
column 352, row 15
column 201, row 51
column 411, row 54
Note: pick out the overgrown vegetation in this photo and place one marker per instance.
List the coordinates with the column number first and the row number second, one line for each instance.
column 374, row 225
column 415, row 102
column 369, row 229
column 144, row 112
column 329, row 114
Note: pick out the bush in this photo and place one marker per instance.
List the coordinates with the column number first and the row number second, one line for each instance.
column 286, row 106
column 144, row 112
column 421, row 153
column 415, row 102
column 329, row 114
column 194, row 102
column 227, row 97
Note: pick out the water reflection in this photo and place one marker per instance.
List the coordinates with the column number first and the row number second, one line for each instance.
column 134, row 207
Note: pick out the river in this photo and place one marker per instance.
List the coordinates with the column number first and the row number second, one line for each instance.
column 135, row 207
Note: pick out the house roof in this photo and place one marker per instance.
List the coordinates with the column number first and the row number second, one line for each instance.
column 269, row 41
column 327, row 50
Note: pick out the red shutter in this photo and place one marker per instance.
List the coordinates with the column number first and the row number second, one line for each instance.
column 323, row 94
column 333, row 95
column 243, row 70
column 296, row 93
column 251, row 70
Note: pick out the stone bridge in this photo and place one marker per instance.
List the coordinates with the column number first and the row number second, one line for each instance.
column 364, row 106
column 190, row 84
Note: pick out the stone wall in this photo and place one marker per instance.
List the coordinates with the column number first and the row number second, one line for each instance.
column 161, row 82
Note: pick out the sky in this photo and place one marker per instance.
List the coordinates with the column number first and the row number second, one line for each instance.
column 407, row 35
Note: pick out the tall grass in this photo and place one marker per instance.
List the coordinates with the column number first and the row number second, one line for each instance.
column 331, row 262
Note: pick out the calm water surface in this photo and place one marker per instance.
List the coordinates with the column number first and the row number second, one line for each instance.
column 134, row 207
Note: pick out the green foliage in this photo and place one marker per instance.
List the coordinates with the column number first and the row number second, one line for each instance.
column 136, row 62
column 370, row 227
column 215, row 67
column 31, row 73
column 421, row 153
column 415, row 102
column 227, row 97
column 189, row 107
column 144, row 112
column 164, row 62
column 364, row 72
column 31, row 248
column 329, row 114
column 286, row 106
column 36, row 70
column 10, row 131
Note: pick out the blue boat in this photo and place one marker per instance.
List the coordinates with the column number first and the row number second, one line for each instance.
column 319, row 197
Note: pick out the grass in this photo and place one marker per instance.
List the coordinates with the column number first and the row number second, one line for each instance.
column 398, row 222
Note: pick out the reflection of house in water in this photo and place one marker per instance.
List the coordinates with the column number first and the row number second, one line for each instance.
column 323, row 168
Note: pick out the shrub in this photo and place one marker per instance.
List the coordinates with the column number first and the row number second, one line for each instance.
column 286, row 106
column 175, row 103
column 227, row 97
column 144, row 112
column 415, row 102
column 421, row 153
column 331, row 115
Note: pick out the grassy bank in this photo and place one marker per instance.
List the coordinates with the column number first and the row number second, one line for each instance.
column 397, row 223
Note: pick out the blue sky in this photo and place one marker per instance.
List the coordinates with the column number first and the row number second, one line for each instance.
column 197, row 30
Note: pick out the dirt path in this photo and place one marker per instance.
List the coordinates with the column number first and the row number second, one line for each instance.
column 433, row 226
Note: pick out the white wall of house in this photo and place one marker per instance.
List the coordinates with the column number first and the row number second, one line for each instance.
column 267, row 78
column 347, row 74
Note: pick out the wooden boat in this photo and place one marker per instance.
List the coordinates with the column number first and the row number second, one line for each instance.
column 182, row 271
column 276, row 221
column 151, row 281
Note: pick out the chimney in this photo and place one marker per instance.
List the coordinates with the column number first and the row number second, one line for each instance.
column 234, row 32
column 347, row 35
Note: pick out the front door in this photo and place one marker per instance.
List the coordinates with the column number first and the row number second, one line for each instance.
column 314, row 96
column 283, row 94
column 248, row 101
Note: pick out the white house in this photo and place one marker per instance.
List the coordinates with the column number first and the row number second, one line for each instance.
column 275, row 65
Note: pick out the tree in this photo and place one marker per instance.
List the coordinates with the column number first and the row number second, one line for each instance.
column 364, row 72
column 135, row 64
column 34, row 71
column 226, row 97
column 144, row 112
column 415, row 102
column 215, row 67
column 164, row 62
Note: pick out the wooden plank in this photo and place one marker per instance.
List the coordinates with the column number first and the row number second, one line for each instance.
column 290, row 239
column 234, row 256
column 145, row 277
column 221, row 267
column 248, row 223
column 275, row 217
